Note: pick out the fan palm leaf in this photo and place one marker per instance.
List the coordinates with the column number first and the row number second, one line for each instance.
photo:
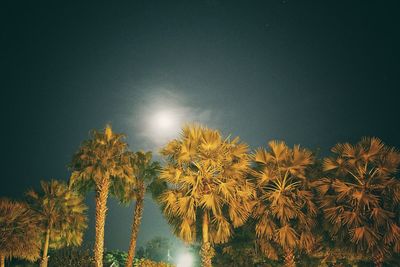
column 206, row 176
column 19, row 232
column 286, row 209
column 61, row 215
column 360, row 196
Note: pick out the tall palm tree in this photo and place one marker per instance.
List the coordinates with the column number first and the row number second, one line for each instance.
column 61, row 215
column 145, row 173
column 19, row 235
column 361, row 195
column 102, row 163
column 207, row 178
column 286, row 210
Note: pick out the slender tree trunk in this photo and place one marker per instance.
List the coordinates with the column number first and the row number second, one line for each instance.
column 2, row 261
column 137, row 218
column 289, row 258
column 206, row 249
column 45, row 258
column 101, row 210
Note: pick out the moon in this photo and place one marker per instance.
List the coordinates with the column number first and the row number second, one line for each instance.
column 160, row 116
column 164, row 120
column 165, row 124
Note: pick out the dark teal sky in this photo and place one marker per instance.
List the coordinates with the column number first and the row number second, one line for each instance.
column 308, row 72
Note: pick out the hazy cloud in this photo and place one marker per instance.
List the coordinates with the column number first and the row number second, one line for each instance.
column 160, row 115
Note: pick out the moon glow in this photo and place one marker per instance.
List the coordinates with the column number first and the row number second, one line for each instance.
column 165, row 123
column 161, row 116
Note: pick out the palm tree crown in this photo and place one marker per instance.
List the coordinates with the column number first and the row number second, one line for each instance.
column 361, row 196
column 207, row 178
column 19, row 235
column 104, row 156
column 145, row 174
column 61, row 214
column 285, row 211
column 61, row 210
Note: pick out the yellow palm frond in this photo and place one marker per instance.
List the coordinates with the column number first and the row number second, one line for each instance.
column 287, row 237
column 361, row 202
column 171, row 148
column 221, row 230
column 209, row 172
column 19, row 231
column 265, row 227
column 104, row 156
column 60, row 209
column 186, row 231
column 108, row 132
column 262, row 156
column 284, row 195
column 278, row 149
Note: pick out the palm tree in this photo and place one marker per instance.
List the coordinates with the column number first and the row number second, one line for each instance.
column 102, row 163
column 285, row 211
column 361, row 195
column 207, row 178
column 145, row 173
column 61, row 215
column 19, row 235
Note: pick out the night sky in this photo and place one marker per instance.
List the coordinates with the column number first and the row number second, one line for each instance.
column 308, row 72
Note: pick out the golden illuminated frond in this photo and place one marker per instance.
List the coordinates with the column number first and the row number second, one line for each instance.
column 186, row 231
column 171, row 148
column 108, row 132
column 360, row 199
column 262, row 156
column 207, row 179
column 104, row 156
column 60, row 210
column 265, row 228
column 278, row 150
column 286, row 204
column 286, row 236
column 19, row 231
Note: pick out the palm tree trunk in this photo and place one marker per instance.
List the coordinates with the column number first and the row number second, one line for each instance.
column 206, row 249
column 289, row 258
column 45, row 258
column 137, row 218
column 101, row 210
column 2, row 261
